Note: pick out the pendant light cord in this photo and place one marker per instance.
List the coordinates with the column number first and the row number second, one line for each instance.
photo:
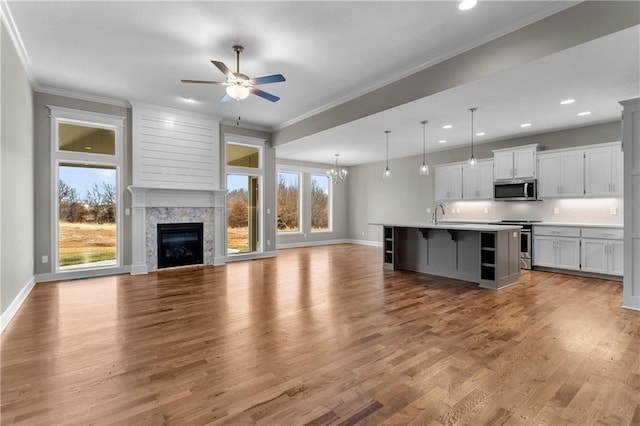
column 424, row 143
column 387, row 162
column 472, row 110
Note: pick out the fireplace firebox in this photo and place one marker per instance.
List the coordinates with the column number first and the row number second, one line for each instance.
column 179, row 244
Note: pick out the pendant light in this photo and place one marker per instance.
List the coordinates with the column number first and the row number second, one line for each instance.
column 387, row 172
column 424, row 169
column 472, row 159
column 337, row 174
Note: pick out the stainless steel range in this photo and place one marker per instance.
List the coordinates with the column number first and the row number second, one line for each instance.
column 526, row 240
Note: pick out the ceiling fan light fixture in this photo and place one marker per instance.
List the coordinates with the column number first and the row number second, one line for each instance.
column 238, row 91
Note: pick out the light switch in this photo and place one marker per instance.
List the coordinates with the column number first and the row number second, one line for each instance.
column 556, row 210
column 127, row 212
column 45, row 259
column 268, row 211
column 268, row 242
column 486, row 210
column 613, row 210
column 428, row 210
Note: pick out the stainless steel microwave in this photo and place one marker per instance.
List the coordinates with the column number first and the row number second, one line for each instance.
column 516, row 190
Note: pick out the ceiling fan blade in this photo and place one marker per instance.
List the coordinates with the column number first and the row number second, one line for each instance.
column 222, row 67
column 265, row 95
column 203, row 81
column 275, row 78
column 226, row 98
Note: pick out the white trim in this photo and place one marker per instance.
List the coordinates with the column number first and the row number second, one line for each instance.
column 311, row 243
column 633, row 308
column 14, row 34
column 367, row 243
column 82, row 96
column 303, row 169
column 13, row 308
column 250, row 256
column 85, row 273
column 98, row 120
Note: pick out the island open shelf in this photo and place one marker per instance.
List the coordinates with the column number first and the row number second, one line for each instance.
column 485, row 254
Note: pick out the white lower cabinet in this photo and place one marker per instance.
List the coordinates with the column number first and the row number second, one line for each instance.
column 602, row 251
column 556, row 247
column 556, row 252
column 595, row 250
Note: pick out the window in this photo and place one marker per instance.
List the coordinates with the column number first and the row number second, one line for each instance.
column 86, row 179
column 320, row 204
column 288, row 202
column 244, row 179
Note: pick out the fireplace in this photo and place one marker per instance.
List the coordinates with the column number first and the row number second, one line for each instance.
column 179, row 244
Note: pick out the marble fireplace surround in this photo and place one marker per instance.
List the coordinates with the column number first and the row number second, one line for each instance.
column 151, row 206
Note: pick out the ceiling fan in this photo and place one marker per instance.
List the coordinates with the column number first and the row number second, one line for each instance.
column 238, row 85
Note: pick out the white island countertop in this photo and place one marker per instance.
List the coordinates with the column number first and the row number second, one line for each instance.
column 479, row 227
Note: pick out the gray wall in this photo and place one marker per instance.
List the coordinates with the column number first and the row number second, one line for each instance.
column 43, row 200
column 16, row 175
column 340, row 208
column 406, row 196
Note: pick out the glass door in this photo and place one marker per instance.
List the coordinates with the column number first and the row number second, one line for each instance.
column 243, row 214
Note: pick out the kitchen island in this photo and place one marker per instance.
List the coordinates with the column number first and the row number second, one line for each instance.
column 485, row 254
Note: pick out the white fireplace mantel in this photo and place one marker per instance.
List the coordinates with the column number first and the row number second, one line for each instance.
column 143, row 198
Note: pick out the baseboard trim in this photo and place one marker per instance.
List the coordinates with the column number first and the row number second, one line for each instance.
column 310, row 244
column 13, row 308
column 329, row 242
column 250, row 256
column 89, row 273
column 631, row 302
column 366, row 243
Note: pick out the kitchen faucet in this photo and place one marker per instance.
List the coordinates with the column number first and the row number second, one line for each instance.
column 435, row 213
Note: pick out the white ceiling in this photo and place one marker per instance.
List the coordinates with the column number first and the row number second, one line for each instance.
column 330, row 52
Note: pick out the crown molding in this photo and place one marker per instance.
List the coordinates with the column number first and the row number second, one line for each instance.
column 82, row 96
column 14, row 34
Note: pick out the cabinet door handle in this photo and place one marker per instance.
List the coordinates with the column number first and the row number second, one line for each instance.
column 609, row 187
column 561, row 189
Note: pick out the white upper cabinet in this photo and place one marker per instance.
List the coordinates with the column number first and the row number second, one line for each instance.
column 477, row 183
column 561, row 174
column 515, row 163
column 603, row 171
column 449, row 182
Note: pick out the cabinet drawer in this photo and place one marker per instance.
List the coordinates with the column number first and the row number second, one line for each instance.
column 556, row 231
column 606, row 233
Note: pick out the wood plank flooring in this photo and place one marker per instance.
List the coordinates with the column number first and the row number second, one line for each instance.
column 318, row 336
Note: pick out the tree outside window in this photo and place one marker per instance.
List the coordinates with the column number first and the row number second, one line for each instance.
column 320, row 203
column 288, row 202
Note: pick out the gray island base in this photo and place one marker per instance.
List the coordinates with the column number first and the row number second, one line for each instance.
column 485, row 254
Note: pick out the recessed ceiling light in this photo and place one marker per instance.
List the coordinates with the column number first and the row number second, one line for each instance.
column 447, row 126
column 189, row 100
column 583, row 113
column 442, row 141
column 567, row 101
column 480, row 134
column 525, row 125
column 87, row 148
column 467, row 4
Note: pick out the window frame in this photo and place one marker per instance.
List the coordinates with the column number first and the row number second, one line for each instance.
column 91, row 119
column 230, row 138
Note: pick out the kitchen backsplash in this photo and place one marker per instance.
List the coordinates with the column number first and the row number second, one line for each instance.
column 593, row 210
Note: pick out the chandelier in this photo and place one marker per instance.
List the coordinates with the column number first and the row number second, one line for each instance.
column 337, row 174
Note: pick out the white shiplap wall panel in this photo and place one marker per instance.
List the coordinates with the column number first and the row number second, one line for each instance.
column 174, row 149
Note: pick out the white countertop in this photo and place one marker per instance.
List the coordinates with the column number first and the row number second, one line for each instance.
column 466, row 226
column 580, row 225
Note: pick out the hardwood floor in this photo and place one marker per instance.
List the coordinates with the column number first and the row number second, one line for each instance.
column 321, row 335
